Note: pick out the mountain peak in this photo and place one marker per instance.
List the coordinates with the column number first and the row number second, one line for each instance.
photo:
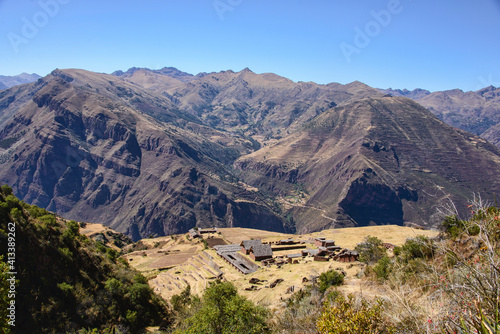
column 167, row 71
column 490, row 88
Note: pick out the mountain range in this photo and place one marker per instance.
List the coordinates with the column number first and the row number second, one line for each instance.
column 157, row 152
column 11, row 81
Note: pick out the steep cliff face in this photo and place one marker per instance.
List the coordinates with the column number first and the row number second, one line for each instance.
column 94, row 156
column 376, row 161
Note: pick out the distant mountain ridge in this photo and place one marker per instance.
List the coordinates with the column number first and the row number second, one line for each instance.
column 23, row 78
column 475, row 112
column 412, row 94
column 168, row 71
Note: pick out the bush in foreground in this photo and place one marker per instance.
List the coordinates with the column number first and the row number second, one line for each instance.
column 351, row 316
column 223, row 311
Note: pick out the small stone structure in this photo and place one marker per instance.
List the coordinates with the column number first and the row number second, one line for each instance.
column 261, row 252
column 247, row 244
column 230, row 254
column 321, row 259
column 346, row 255
column 323, row 242
column 309, row 252
column 197, row 232
column 207, row 230
column 388, row 245
column 194, row 233
column 291, row 257
column 276, row 282
column 287, row 242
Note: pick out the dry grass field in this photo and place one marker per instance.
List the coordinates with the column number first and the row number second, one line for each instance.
column 170, row 263
column 91, row 229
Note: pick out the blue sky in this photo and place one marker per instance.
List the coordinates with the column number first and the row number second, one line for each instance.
column 431, row 44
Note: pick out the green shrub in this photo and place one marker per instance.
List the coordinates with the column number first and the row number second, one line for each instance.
column 73, row 227
column 302, row 311
column 66, row 253
column 383, row 268
column 139, row 293
column 139, row 278
column 6, row 190
column 48, row 220
column 17, row 215
column 419, row 247
column 330, row 278
column 397, row 251
column 101, row 248
column 114, row 287
column 12, row 201
column 67, row 289
column 183, row 300
column 454, row 227
column 131, row 317
column 36, row 212
column 111, row 254
column 4, row 211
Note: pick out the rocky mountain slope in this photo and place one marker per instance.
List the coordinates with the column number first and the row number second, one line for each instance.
column 376, row 160
column 476, row 112
column 94, row 147
column 159, row 152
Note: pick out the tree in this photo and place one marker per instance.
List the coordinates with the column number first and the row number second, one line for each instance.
column 224, row 311
column 371, row 250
